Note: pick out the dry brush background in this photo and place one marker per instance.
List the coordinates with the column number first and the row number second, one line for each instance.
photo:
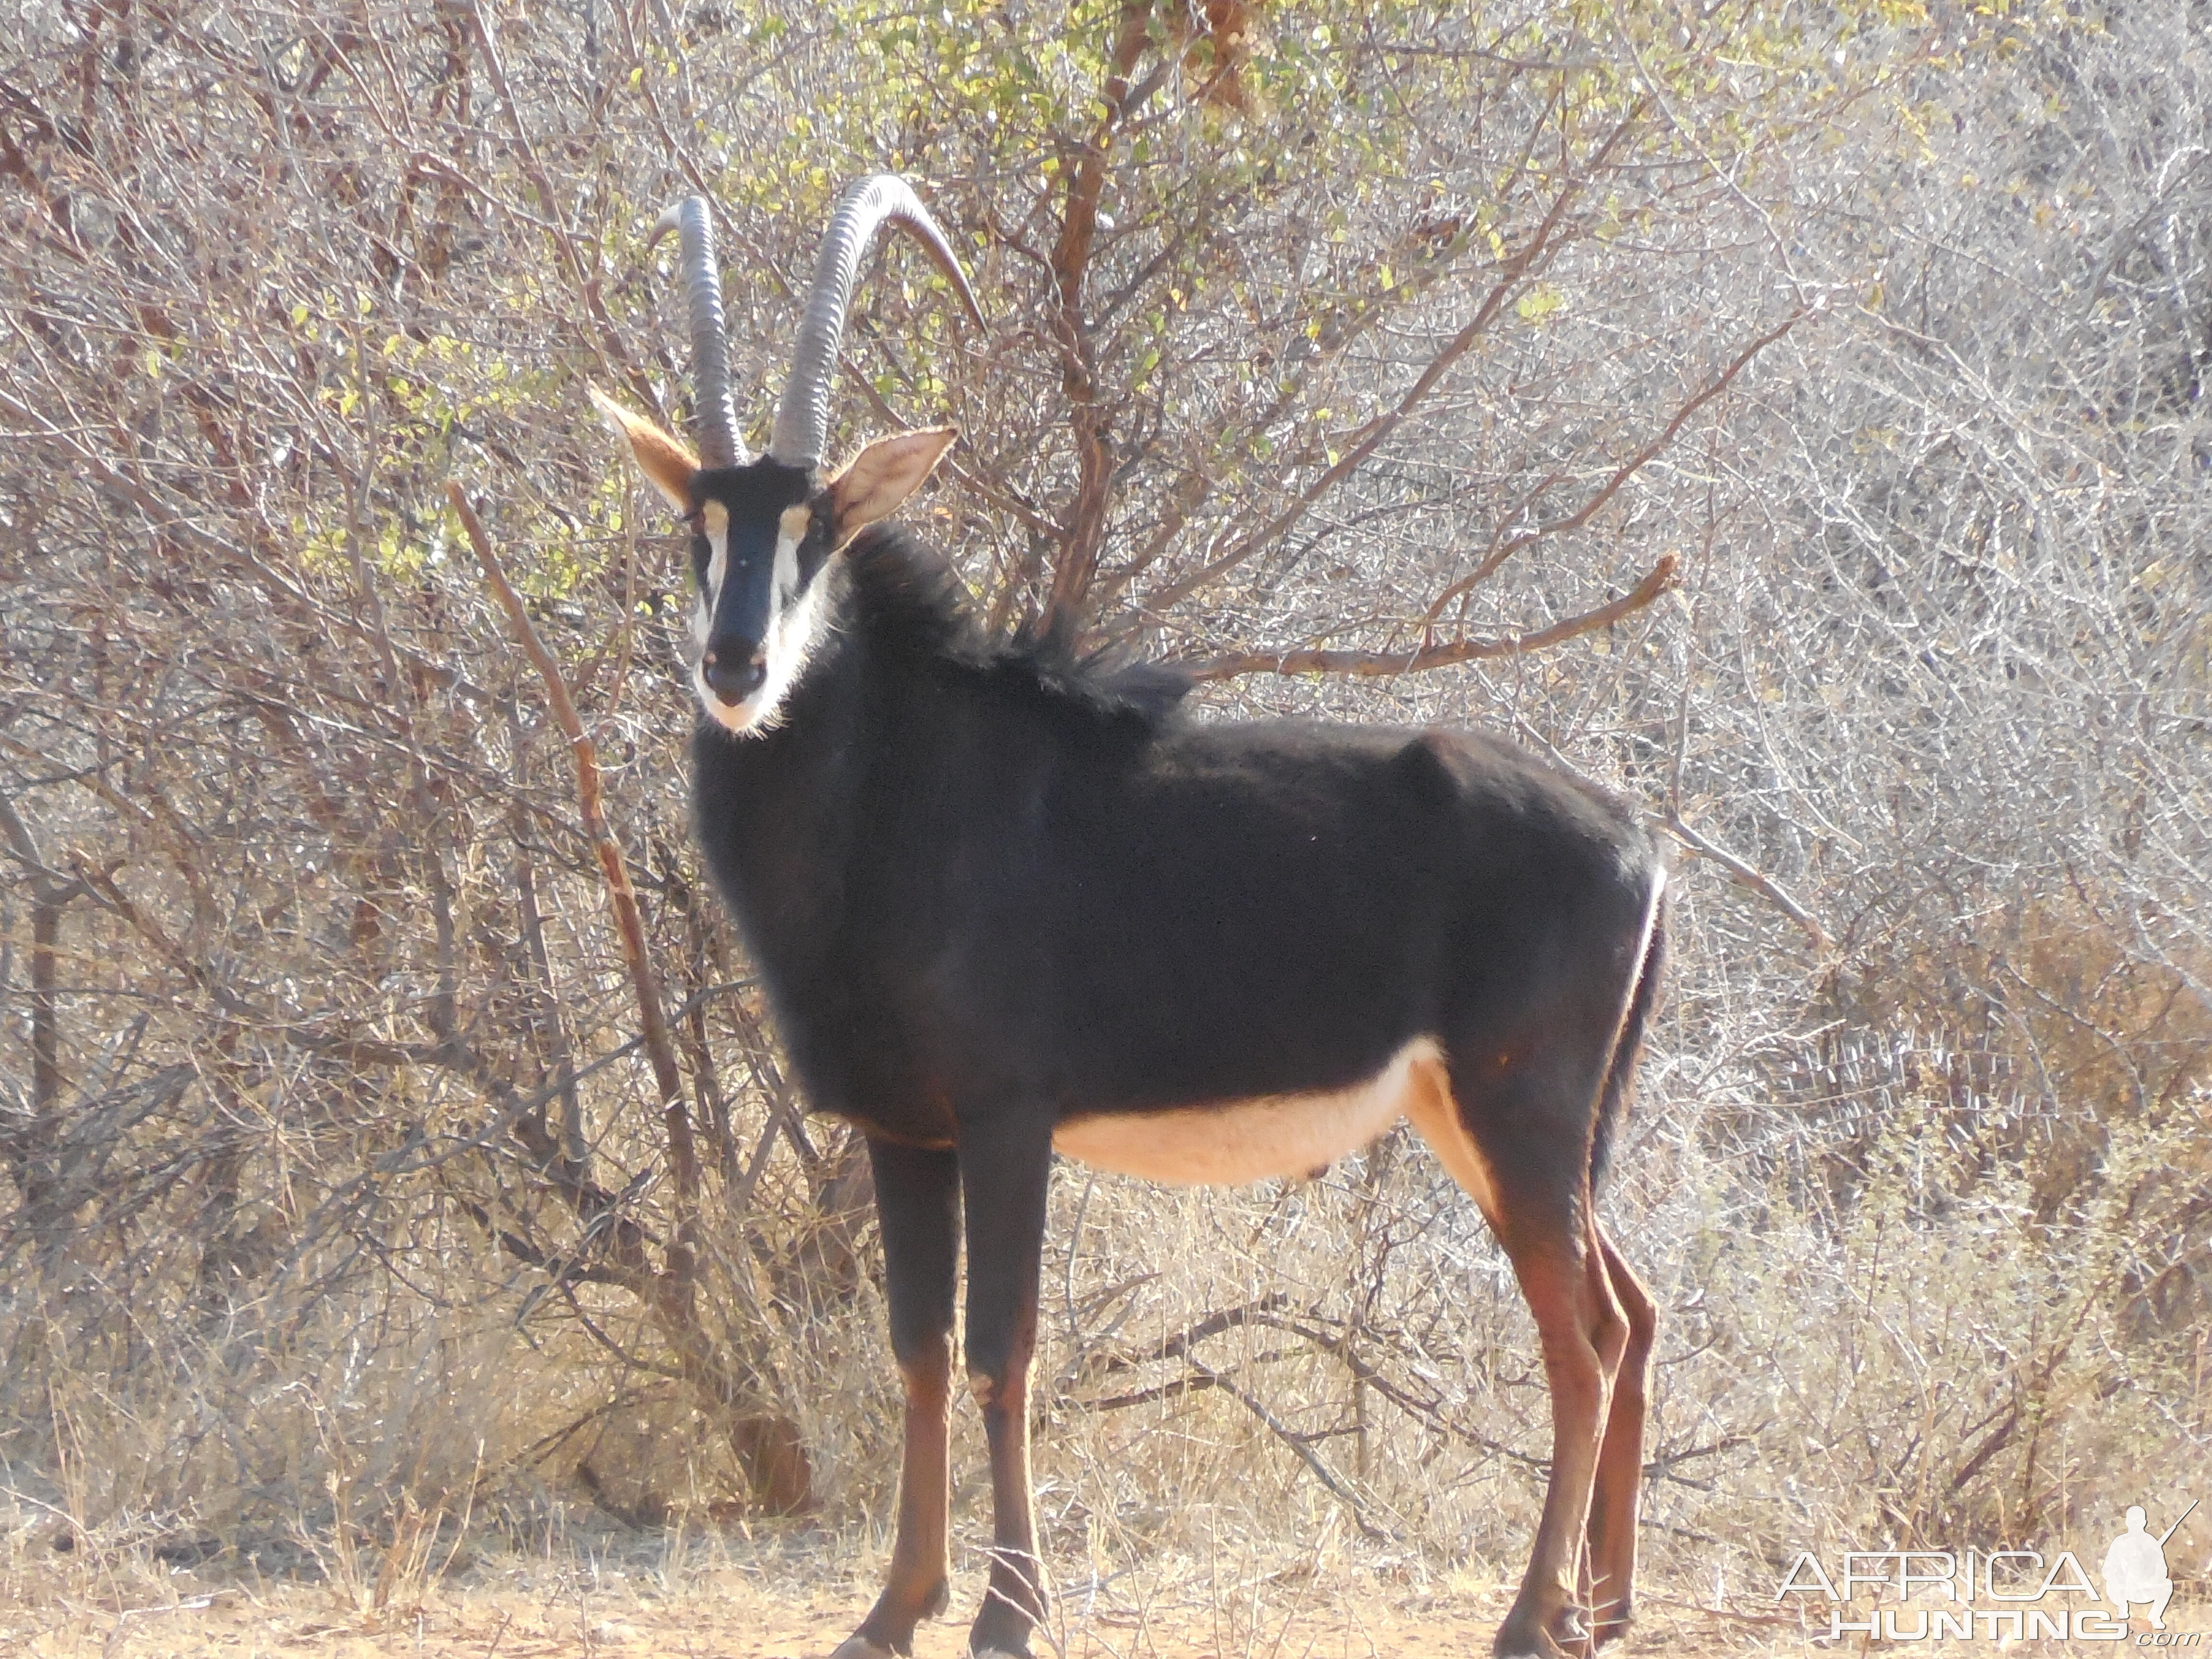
column 1794, row 418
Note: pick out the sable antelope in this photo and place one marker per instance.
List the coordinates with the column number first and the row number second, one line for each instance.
column 1005, row 905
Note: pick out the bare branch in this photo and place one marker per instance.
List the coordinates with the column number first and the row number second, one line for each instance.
column 1621, row 474
column 629, row 926
column 1758, row 880
column 1512, row 272
column 1083, row 535
column 1383, row 665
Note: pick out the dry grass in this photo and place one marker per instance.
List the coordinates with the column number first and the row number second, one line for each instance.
column 338, row 1211
column 1920, row 1357
column 781, row 1598
column 795, row 1597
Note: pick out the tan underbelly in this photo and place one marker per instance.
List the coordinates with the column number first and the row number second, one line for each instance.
column 1238, row 1141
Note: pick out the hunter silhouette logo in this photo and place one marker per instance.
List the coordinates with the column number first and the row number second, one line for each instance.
column 2135, row 1567
column 2001, row 1595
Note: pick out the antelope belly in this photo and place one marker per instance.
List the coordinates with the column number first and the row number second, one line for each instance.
column 1232, row 1142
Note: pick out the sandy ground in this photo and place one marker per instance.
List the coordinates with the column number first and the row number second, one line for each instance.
column 731, row 1617
column 777, row 1609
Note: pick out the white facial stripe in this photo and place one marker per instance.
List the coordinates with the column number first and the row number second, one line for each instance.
column 793, row 636
column 716, row 518
column 791, row 531
column 783, row 581
column 798, row 622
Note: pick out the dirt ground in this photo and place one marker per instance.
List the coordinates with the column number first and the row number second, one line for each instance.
column 771, row 1610
column 731, row 1617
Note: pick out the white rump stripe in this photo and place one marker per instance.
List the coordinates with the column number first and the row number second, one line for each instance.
column 1239, row 1142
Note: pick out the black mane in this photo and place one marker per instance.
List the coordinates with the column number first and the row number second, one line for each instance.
column 908, row 594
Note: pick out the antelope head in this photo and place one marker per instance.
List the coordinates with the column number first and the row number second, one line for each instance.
column 765, row 533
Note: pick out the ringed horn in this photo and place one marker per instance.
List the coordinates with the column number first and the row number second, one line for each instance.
column 719, row 443
column 802, row 419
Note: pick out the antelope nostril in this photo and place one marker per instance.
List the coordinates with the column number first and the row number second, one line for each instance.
column 733, row 676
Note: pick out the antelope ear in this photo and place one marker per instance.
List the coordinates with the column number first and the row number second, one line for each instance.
column 874, row 483
column 666, row 462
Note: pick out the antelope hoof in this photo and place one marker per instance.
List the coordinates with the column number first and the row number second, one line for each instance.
column 1528, row 1639
column 1611, row 1624
column 1001, row 1632
column 1541, row 1646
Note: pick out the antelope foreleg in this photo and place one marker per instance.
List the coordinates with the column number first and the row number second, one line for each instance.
column 1005, row 1174
column 917, row 1200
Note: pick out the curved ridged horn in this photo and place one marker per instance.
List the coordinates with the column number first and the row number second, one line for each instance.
column 802, row 419
column 719, row 443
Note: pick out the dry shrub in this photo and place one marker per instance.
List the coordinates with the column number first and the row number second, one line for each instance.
column 1336, row 1372
column 2062, row 1024
column 1941, row 1363
column 1933, row 1360
column 343, row 1207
